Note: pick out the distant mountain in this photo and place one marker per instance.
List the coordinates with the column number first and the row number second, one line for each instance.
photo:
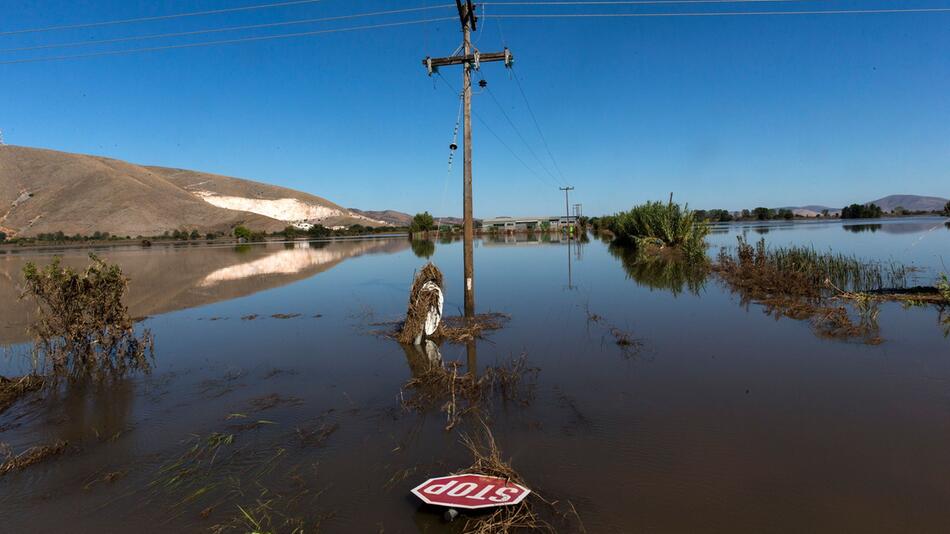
column 398, row 218
column 45, row 191
column 817, row 208
column 888, row 204
column 390, row 217
column 910, row 203
column 812, row 210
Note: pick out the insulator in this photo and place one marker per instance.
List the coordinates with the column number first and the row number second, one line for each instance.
column 453, row 146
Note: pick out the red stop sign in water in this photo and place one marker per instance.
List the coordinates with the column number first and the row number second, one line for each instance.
column 470, row 491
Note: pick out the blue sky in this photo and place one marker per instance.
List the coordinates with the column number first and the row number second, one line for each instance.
column 726, row 112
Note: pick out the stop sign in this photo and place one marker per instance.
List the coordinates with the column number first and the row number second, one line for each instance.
column 470, row 491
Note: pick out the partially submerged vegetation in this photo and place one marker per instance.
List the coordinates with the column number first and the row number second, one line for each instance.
column 802, row 283
column 657, row 227
column 805, row 272
column 82, row 327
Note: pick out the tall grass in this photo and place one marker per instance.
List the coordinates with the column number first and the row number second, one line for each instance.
column 816, row 269
column 661, row 225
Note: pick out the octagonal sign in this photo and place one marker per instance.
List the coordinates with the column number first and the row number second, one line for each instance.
column 470, row 491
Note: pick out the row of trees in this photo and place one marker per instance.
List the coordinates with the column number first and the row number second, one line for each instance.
column 862, row 211
column 755, row 214
column 318, row 231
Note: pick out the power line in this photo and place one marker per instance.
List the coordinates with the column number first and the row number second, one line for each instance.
column 226, row 41
column 642, row 2
column 157, row 17
column 520, row 136
column 219, row 30
column 537, row 125
column 495, row 135
column 721, row 13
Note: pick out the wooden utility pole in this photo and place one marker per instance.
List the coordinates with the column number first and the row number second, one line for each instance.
column 470, row 59
column 567, row 205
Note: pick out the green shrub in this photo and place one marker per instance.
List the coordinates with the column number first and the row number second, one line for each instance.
column 242, row 232
column 661, row 225
column 861, row 211
column 422, row 222
column 318, row 230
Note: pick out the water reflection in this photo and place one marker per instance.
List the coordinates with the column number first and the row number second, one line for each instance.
column 858, row 228
column 423, row 248
column 668, row 273
column 893, row 227
column 526, row 238
column 164, row 279
column 295, row 258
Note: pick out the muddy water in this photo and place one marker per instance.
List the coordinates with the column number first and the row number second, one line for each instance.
column 725, row 420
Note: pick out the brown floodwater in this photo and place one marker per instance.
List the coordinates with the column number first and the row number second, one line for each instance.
column 719, row 419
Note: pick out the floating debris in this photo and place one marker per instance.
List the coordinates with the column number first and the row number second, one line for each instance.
column 270, row 401
column 31, row 456
column 12, row 389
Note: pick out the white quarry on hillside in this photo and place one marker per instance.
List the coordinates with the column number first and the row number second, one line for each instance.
column 282, row 209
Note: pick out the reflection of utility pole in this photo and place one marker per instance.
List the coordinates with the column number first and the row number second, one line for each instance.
column 472, row 359
column 469, row 61
column 570, row 279
column 567, row 205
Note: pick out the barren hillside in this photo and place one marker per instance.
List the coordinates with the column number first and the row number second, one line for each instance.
column 43, row 191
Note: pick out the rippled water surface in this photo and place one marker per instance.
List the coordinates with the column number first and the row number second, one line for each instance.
column 719, row 419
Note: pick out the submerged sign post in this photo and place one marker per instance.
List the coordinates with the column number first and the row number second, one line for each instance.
column 470, row 491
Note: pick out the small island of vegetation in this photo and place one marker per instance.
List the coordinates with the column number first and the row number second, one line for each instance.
column 659, row 228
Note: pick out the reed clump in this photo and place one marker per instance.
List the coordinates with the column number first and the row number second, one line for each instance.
column 657, row 226
column 82, row 327
column 804, row 284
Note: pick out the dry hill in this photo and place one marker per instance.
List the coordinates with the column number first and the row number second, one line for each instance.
column 44, row 191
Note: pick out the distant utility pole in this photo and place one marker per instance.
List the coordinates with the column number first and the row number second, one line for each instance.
column 469, row 60
column 567, row 205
